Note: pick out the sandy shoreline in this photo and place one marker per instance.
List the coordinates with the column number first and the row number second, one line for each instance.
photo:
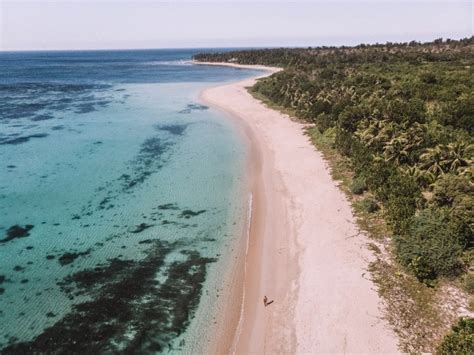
column 304, row 251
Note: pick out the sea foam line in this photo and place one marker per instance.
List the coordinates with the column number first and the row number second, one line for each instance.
column 242, row 304
column 169, row 62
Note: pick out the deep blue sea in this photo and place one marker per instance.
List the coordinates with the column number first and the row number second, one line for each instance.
column 119, row 201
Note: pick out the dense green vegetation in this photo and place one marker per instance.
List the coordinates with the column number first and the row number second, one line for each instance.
column 460, row 340
column 404, row 114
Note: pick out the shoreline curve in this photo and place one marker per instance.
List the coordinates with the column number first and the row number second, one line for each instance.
column 301, row 249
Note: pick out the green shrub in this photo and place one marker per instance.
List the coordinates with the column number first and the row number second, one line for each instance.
column 358, row 186
column 454, row 191
column 351, row 115
column 460, row 340
column 324, row 121
column 469, row 283
column 457, row 193
column 343, row 141
column 377, row 174
column 330, row 134
column 369, row 205
column 402, row 194
column 432, row 246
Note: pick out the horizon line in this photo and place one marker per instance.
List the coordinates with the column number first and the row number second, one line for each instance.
column 227, row 47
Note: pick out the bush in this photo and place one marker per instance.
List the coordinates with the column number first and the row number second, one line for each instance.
column 460, row 340
column 377, row 174
column 469, row 283
column 324, row 121
column 343, row 141
column 432, row 247
column 457, row 193
column 402, row 194
column 330, row 133
column 453, row 191
column 369, row 205
column 358, row 186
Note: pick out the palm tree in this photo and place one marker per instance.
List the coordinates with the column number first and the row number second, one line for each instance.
column 432, row 160
column 459, row 155
column 447, row 158
column 375, row 133
column 422, row 177
column 396, row 151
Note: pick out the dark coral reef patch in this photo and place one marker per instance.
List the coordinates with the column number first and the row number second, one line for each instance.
column 141, row 227
column 17, row 231
column 128, row 310
column 23, row 139
column 193, row 107
column 68, row 258
column 189, row 213
column 175, row 129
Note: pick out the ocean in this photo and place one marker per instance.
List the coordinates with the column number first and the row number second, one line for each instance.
column 120, row 201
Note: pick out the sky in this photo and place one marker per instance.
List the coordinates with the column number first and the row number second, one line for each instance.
column 107, row 24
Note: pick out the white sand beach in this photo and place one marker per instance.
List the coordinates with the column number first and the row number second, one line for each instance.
column 305, row 252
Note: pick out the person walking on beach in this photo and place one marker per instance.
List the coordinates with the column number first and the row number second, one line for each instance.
column 265, row 300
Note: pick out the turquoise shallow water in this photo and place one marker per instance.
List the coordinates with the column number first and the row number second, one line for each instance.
column 118, row 197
